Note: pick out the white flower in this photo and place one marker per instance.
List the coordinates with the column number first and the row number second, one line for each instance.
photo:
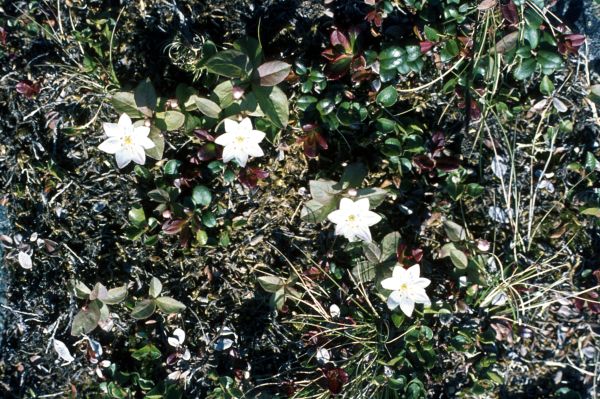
column 407, row 289
column 126, row 141
column 240, row 141
column 353, row 219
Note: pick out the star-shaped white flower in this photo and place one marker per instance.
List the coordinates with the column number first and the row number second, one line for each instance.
column 353, row 219
column 240, row 141
column 126, row 141
column 407, row 289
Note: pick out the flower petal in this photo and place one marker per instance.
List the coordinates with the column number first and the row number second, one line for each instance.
column 362, row 204
column 112, row 129
column 111, row 145
column 245, row 125
column 393, row 300
column 391, row 283
column 138, row 155
column 414, row 271
column 228, row 153
column 225, row 139
column 125, row 121
column 407, row 305
column 337, row 216
column 420, row 296
column 232, row 126
column 363, row 232
column 346, row 204
column 123, row 158
column 254, row 150
column 370, row 218
column 399, row 272
column 145, row 142
column 241, row 158
column 140, row 131
column 257, row 136
column 421, row 282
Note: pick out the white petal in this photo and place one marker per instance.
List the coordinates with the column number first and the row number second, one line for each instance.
column 370, row 218
column 62, row 351
column 337, row 216
column 413, row 272
column 391, row 283
column 180, row 334
column 420, row 296
column 362, row 204
column 123, row 157
column 228, row 153
column 421, row 282
column 232, row 126
column 225, row 139
column 346, row 204
column 363, row 233
column 125, row 122
column 174, row 342
column 245, row 125
column 111, row 145
column 407, row 305
column 112, row 129
column 393, row 300
column 257, row 136
column 138, row 155
column 145, row 142
column 241, row 158
column 399, row 272
column 25, row 260
column 254, row 150
column 140, row 131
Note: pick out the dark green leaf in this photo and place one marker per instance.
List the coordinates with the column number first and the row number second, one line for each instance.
column 201, row 195
column 155, row 287
column 145, row 98
column 229, row 63
column 169, row 305
column 271, row 283
column 169, row 120
column 207, row 107
column 124, row 103
column 143, row 309
column 387, row 97
column 274, row 103
column 157, row 138
column 137, row 216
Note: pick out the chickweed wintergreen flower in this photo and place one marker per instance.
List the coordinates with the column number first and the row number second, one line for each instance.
column 407, row 289
column 240, row 141
column 126, row 141
column 353, row 219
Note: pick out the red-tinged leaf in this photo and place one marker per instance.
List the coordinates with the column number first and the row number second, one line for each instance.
column 273, row 72
column 510, row 13
column 447, row 164
column 28, row 88
column 486, row 5
column 338, row 67
column 203, row 135
column 337, row 38
column 3, row 36
column 423, row 162
column 173, row 226
column 417, row 255
column 329, row 54
column 250, row 176
column 335, row 379
column 374, row 17
column 426, row 46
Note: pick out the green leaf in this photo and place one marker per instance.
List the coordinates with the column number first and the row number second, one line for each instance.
column 532, row 35
column 391, row 57
column 271, row 283
column 389, row 245
column 323, row 191
column 82, row 291
column 98, row 292
column 454, row 231
column 251, row 47
column 171, row 168
column 525, row 69
column 326, row 106
column 155, row 287
column 273, row 72
column 115, row 295
column 458, row 258
column 124, row 103
column 209, row 219
column 595, row 93
column 169, row 120
column 306, row 101
column 169, row 305
column 86, row 320
column 546, row 86
column 157, row 138
column 372, row 252
column 353, row 176
column 145, row 98
column 201, row 195
column 137, row 216
column 364, row 272
column 387, row 97
column 229, row 63
column 207, row 107
column 274, row 103
column 375, row 195
column 316, row 212
column 591, row 212
column 224, row 91
column 143, row 309
column 431, row 34
column 148, row 352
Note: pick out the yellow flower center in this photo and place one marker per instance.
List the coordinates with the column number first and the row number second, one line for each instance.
column 127, row 140
column 351, row 218
column 240, row 139
column 403, row 287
